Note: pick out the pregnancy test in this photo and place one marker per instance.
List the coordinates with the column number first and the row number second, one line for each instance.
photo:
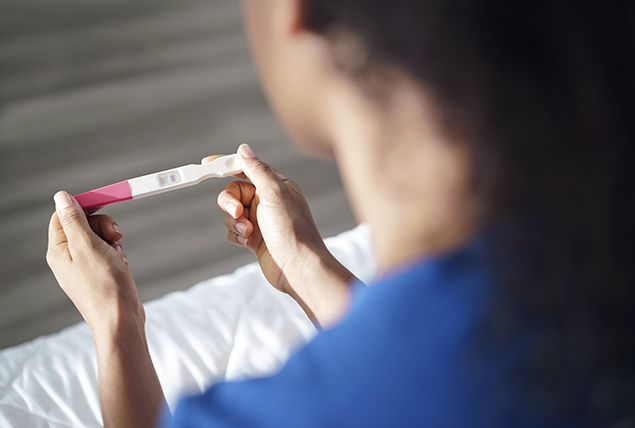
column 159, row 182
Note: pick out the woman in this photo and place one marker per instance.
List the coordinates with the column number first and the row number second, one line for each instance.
column 490, row 148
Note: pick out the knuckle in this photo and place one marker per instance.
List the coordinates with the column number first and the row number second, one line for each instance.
column 259, row 167
column 228, row 193
column 294, row 186
column 229, row 222
column 50, row 258
column 70, row 217
column 276, row 192
column 53, row 259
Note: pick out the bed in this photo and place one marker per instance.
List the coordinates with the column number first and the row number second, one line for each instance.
column 225, row 328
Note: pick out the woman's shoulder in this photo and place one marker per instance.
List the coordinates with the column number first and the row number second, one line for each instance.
column 406, row 355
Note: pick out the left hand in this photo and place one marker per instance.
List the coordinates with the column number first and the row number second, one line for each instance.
column 88, row 262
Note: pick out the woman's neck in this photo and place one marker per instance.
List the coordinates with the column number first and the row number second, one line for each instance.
column 402, row 175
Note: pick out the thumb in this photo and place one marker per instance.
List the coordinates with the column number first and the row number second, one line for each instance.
column 258, row 172
column 72, row 218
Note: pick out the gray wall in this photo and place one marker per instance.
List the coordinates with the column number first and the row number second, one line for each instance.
column 95, row 92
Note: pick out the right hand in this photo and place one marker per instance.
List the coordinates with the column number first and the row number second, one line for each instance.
column 270, row 217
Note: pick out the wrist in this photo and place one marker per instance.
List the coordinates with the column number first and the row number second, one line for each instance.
column 122, row 329
column 129, row 389
column 320, row 285
column 310, row 264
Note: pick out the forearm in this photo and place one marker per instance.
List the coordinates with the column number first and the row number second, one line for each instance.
column 320, row 285
column 129, row 389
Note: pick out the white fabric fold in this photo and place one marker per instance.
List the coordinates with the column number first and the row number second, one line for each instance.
column 228, row 327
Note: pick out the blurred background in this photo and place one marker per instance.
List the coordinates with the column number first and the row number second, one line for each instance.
column 95, row 92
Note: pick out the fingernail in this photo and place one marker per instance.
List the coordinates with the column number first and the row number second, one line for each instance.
column 62, row 201
column 117, row 246
column 232, row 208
column 242, row 240
column 241, row 227
column 116, row 228
column 246, row 151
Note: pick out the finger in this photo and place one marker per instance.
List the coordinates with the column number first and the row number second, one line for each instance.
column 72, row 219
column 208, row 159
column 58, row 243
column 286, row 180
column 236, row 196
column 119, row 248
column 258, row 172
column 90, row 211
column 238, row 239
column 246, row 152
column 280, row 175
column 242, row 226
column 105, row 227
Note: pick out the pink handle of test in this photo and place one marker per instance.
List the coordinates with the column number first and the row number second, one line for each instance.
column 106, row 195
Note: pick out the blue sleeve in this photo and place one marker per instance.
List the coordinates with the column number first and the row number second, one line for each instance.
column 325, row 385
column 399, row 359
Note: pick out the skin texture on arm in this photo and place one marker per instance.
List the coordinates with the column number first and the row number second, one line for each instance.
column 88, row 262
column 129, row 390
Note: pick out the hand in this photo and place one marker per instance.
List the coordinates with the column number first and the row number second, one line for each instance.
column 87, row 259
column 271, row 217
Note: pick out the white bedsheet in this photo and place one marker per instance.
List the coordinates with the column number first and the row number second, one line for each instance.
column 227, row 327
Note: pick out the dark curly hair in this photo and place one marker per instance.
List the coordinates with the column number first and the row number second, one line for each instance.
column 542, row 93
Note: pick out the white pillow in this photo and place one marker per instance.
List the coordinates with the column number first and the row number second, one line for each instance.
column 228, row 327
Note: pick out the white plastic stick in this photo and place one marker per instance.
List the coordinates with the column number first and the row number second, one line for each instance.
column 159, row 182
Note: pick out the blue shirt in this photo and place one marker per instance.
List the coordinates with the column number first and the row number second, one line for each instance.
column 406, row 355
